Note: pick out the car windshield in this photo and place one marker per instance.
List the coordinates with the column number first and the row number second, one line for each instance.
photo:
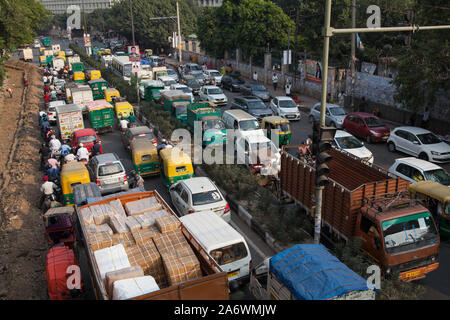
column 259, row 88
column 213, row 124
column 149, row 136
column 287, row 104
column 127, row 70
column 256, row 105
column 284, row 127
column 264, row 145
column 215, row 91
column 193, row 83
column 438, row 175
column 87, row 139
column 206, row 197
column 229, row 254
column 182, row 109
column 215, row 74
column 373, row 122
column 348, row 142
column 111, row 168
column 185, row 89
column 247, row 125
column 195, row 67
column 410, row 232
column 429, row 138
column 337, row 111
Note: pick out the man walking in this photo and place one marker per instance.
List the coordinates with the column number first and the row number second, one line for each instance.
column 275, row 81
column 255, row 76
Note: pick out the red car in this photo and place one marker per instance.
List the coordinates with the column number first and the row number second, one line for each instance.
column 366, row 126
column 87, row 137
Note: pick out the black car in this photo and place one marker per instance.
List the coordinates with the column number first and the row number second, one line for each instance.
column 231, row 83
column 192, row 83
column 252, row 105
column 256, row 89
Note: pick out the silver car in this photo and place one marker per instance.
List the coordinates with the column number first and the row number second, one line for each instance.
column 173, row 74
column 334, row 115
column 108, row 172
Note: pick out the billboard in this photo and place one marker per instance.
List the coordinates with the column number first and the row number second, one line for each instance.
column 133, row 53
column 87, row 40
column 313, row 70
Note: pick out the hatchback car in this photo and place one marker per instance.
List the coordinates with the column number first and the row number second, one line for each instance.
column 197, row 195
column 366, row 126
column 213, row 94
column 141, row 132
column 232, row 83
column 87, row 137
column 345, row 141
column 252, row 105
column 210, row 74
column 173, row 74
column 285, row 107
column 420, row 143
column 334, row 115
column 192, row 83
column 257, row 90
column 108, row 172
column 200, row 77
column 415, row 170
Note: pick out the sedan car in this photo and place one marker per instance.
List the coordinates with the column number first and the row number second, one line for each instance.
column 232, row 83
column 210, row 74
column 141, row 132
column 420, row 143
column 200, row 77
column 173, row 74
column 192, row 83
column 197, row 195
column 252, row 105
column 415, row 170
column 257, row 90
column 69, row 52
column 285, row 107
column 345, row 141
column 183, row 88
column 213, row 94
column 334, row 115
column 366, row 126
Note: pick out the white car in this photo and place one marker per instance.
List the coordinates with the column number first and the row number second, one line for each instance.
column 420, row 143
column 285, row 107
column 260, row 153
column 37, row 43
column 168, row 81
column 197, row 195
column 51, row 110
column 213, row 94
column 210, row 73
column 415, row 170
column 183, row 88
column 334, row 115
column 349, row 143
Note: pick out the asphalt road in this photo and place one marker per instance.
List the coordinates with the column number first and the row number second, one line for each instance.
column 437, row 283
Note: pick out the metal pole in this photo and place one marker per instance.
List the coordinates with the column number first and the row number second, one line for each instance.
column 326, row 46
column 132, row 21
column 388, row 29
column 353, row 61
column 179, row 34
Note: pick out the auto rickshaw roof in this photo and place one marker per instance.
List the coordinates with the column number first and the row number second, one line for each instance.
column 174, row 156
column 73, row 167
column 123, row 104
column 142, row 146
column 97, row 81
column 275, row 119
column 139, row 130
column 60, row 211
column 433, row 189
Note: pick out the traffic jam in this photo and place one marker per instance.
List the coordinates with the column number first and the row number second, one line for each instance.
column 152, row 226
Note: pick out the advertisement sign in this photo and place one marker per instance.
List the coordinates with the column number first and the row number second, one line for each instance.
column 135, row 66
column 133, row 53
column 87, row 40
column 313, row 70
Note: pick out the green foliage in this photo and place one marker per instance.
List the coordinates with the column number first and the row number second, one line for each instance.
column 161, row 119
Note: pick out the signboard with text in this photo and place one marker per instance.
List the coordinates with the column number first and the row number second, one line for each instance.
column 313, row 70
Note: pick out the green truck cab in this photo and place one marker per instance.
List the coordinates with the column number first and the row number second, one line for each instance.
column 101, row 115
column 47, row 42
column 152, row 90
column 78, row 66
column 170, row 96
column 213, row 129
column 98, row 87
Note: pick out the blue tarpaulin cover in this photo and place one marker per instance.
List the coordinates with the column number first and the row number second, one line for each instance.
column 84, row 191
column 310, row 272
column 95, row 199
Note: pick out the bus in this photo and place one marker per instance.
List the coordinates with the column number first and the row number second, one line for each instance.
column 122, row 67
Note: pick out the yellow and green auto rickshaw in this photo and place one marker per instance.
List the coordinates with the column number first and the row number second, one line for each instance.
column 111, row 92
column 176, row 165
column 72, row 173
column 436, row 197
column 277, row 123
column 123, row 109
column 78, row 76
column 145, row 157
column 93, row 74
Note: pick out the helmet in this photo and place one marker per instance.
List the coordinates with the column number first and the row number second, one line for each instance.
column 164, row 141
column 308, row 141
column 45, row 178
column 53, row 136
column 80, row 145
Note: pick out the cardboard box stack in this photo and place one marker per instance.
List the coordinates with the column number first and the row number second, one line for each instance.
column 142, row 206
column 134, row 287
column 125, row 273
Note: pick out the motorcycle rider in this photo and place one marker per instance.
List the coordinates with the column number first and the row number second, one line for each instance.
column 123, row 124
column 48, row 189
column 54, row 144
column 83, row 153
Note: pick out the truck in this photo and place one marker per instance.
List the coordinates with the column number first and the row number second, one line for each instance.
column 157, row 72
column 56, row 49
column 366, row 202
column 47, row 42
column 213, row 129
column 69, row 118
column 82, row 95
column 307, row 272
column 58, row 63
column 106, row 60
column 72, row 59
column 210, row 282
column 26, row 54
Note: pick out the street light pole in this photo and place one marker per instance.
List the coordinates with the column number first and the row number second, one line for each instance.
column 179, row 33
column 132, row 22
column 353, row 61
column 326, row 47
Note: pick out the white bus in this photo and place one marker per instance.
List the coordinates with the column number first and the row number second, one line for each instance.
column 121, row 66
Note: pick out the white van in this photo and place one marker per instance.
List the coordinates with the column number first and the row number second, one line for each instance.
column 227, row 246
column 245, row 124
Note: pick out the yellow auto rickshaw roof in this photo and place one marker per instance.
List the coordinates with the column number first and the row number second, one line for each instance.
column 142, row 146
column 73, row 167
column 123, row 104
column 174, row 156
column 112, row 91
column 78, row 73
column 95, row 71
column 275, row 119
column 433, row 189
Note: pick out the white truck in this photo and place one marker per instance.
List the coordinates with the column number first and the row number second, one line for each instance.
column 69, row 118
column 307, row 272
column 26, row 54
column 58, row 63
column 56, row 48
column 82, row 95
column 72, row 59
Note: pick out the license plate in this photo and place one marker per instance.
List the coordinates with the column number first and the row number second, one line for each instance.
column 111, row 181
column 413, row 274
column 233, row 274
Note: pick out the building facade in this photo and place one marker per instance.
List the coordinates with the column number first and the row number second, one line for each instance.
column 60, row 6
column 209, row 3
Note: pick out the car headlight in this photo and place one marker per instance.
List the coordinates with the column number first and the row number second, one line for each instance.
column 434, row 153
column 374, row 132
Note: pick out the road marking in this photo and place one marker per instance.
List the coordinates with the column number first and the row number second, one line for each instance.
column 250, row 242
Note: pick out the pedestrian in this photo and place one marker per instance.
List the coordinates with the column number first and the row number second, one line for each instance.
column 426, row 118
column 363, row 105
column 275, row 81
column 341, row 99
column 10, row 91
column 288, row 88
column 255, row 76
column 203, row 67
column 25, row 81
